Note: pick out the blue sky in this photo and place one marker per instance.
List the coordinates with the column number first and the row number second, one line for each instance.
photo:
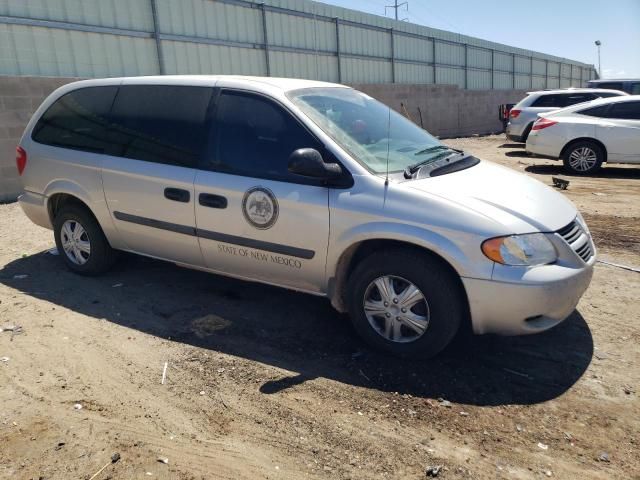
column 566, row 28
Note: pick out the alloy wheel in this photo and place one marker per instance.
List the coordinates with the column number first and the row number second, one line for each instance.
column 583, row 159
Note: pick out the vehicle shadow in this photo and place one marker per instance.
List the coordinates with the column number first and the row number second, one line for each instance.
column 517, row 153
column 512, row 145
column 303, row 334
column 620, row 173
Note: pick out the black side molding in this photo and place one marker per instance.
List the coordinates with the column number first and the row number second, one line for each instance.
column 217, row 236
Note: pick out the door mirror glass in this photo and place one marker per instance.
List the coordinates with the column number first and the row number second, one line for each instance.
column 308, row 162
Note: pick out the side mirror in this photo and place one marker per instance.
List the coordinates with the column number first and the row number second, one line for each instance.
column 308, row 162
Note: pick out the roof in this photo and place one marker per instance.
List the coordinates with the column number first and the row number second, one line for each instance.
column 601, row 80
column 573, row 90
column 259, row 83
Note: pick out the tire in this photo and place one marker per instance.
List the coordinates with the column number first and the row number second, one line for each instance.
column 100, row 256
column 583, row 157
column 444, row 309
column 526, row 133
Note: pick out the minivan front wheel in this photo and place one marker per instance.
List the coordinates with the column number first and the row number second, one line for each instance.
column 405, row 303
column 81, row 242
column 583, row 157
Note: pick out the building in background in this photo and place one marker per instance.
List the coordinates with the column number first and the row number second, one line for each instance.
column 288, row 38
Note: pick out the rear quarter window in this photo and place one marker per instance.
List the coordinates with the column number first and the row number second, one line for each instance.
column 78, row 120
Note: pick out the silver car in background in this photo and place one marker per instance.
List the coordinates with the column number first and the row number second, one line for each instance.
column 305, row 185
column 525, row 112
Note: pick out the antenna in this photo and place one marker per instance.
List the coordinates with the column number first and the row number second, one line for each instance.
column 386, row 180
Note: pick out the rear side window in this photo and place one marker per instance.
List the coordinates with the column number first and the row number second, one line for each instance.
column 600, row 111
column 547, row 101
column 160, row 123
column 78, row 120
column 254, row 137
column 611, row 85
column 635, row 88
column 625, row 110
column 576, row 98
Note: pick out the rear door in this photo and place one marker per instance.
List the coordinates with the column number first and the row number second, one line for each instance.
column 254, row 219
column 157, row 136
column 620, row 132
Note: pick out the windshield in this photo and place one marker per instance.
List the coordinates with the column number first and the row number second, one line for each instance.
column 369, row 130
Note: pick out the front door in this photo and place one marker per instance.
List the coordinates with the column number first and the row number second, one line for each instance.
column 157, row 135
column 255, row 220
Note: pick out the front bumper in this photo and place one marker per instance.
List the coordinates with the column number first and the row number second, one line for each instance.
column 543, row 298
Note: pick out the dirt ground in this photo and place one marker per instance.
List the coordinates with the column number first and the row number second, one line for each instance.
column 263, row 383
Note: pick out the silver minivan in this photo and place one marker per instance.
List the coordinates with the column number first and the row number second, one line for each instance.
column 306, row 185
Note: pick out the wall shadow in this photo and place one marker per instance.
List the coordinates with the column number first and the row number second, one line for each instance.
column 605, row 172
column 303, row 334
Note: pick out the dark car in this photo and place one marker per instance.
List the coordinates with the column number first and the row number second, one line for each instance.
column 629, row 85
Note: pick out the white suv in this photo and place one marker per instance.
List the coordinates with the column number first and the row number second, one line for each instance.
column 305, row 185
column 526, row 111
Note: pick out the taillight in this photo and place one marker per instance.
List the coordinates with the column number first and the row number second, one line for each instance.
column 543, row 123
column 514, row 113
column 21, row 159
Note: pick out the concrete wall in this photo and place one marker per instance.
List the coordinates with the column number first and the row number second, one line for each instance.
column 446, row 111
column 19, row 98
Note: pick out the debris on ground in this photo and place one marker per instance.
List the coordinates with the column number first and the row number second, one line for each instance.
column 53, row 251
column 4, row 359
column 114, row 459
column 433, row 471
column 560, row 183
column 164, row 460
column 77, row 406
column 543, row 446
column 164, row 373
column 604, row 457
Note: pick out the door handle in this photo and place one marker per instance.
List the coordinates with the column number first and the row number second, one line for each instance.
column 212, row 201
column 177, row 195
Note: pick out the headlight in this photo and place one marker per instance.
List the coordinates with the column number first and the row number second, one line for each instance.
column 529, row 249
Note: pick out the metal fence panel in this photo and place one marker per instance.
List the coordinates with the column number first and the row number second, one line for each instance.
column 357, row 70
column 479, row 58
column 300, row 65
column 52, row 52
column 479, row 80
column 212, row 59
column 294, row 38
column 411, row 48
column 413, row 73
column 133, row 14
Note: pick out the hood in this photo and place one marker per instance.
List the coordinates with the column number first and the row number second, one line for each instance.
column 514, row 200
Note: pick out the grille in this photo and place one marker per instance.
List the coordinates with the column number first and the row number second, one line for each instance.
column 578, row 240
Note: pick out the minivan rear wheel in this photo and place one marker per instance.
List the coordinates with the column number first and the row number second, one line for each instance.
column 405, row 303
column 81, row 242
column 583, row 157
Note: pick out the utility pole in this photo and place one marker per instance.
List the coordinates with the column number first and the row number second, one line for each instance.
column 598, row 43
column 396, row 6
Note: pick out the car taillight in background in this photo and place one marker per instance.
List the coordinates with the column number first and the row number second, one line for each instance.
column 514, row 113
column 543, row 123
column 21, row 159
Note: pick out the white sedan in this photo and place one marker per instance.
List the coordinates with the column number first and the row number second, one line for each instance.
column 586, row 135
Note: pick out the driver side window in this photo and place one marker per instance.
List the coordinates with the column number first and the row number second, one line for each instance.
column 254, row 137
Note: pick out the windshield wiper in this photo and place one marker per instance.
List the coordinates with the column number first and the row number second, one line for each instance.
column 435, row 148
column 412, row 169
